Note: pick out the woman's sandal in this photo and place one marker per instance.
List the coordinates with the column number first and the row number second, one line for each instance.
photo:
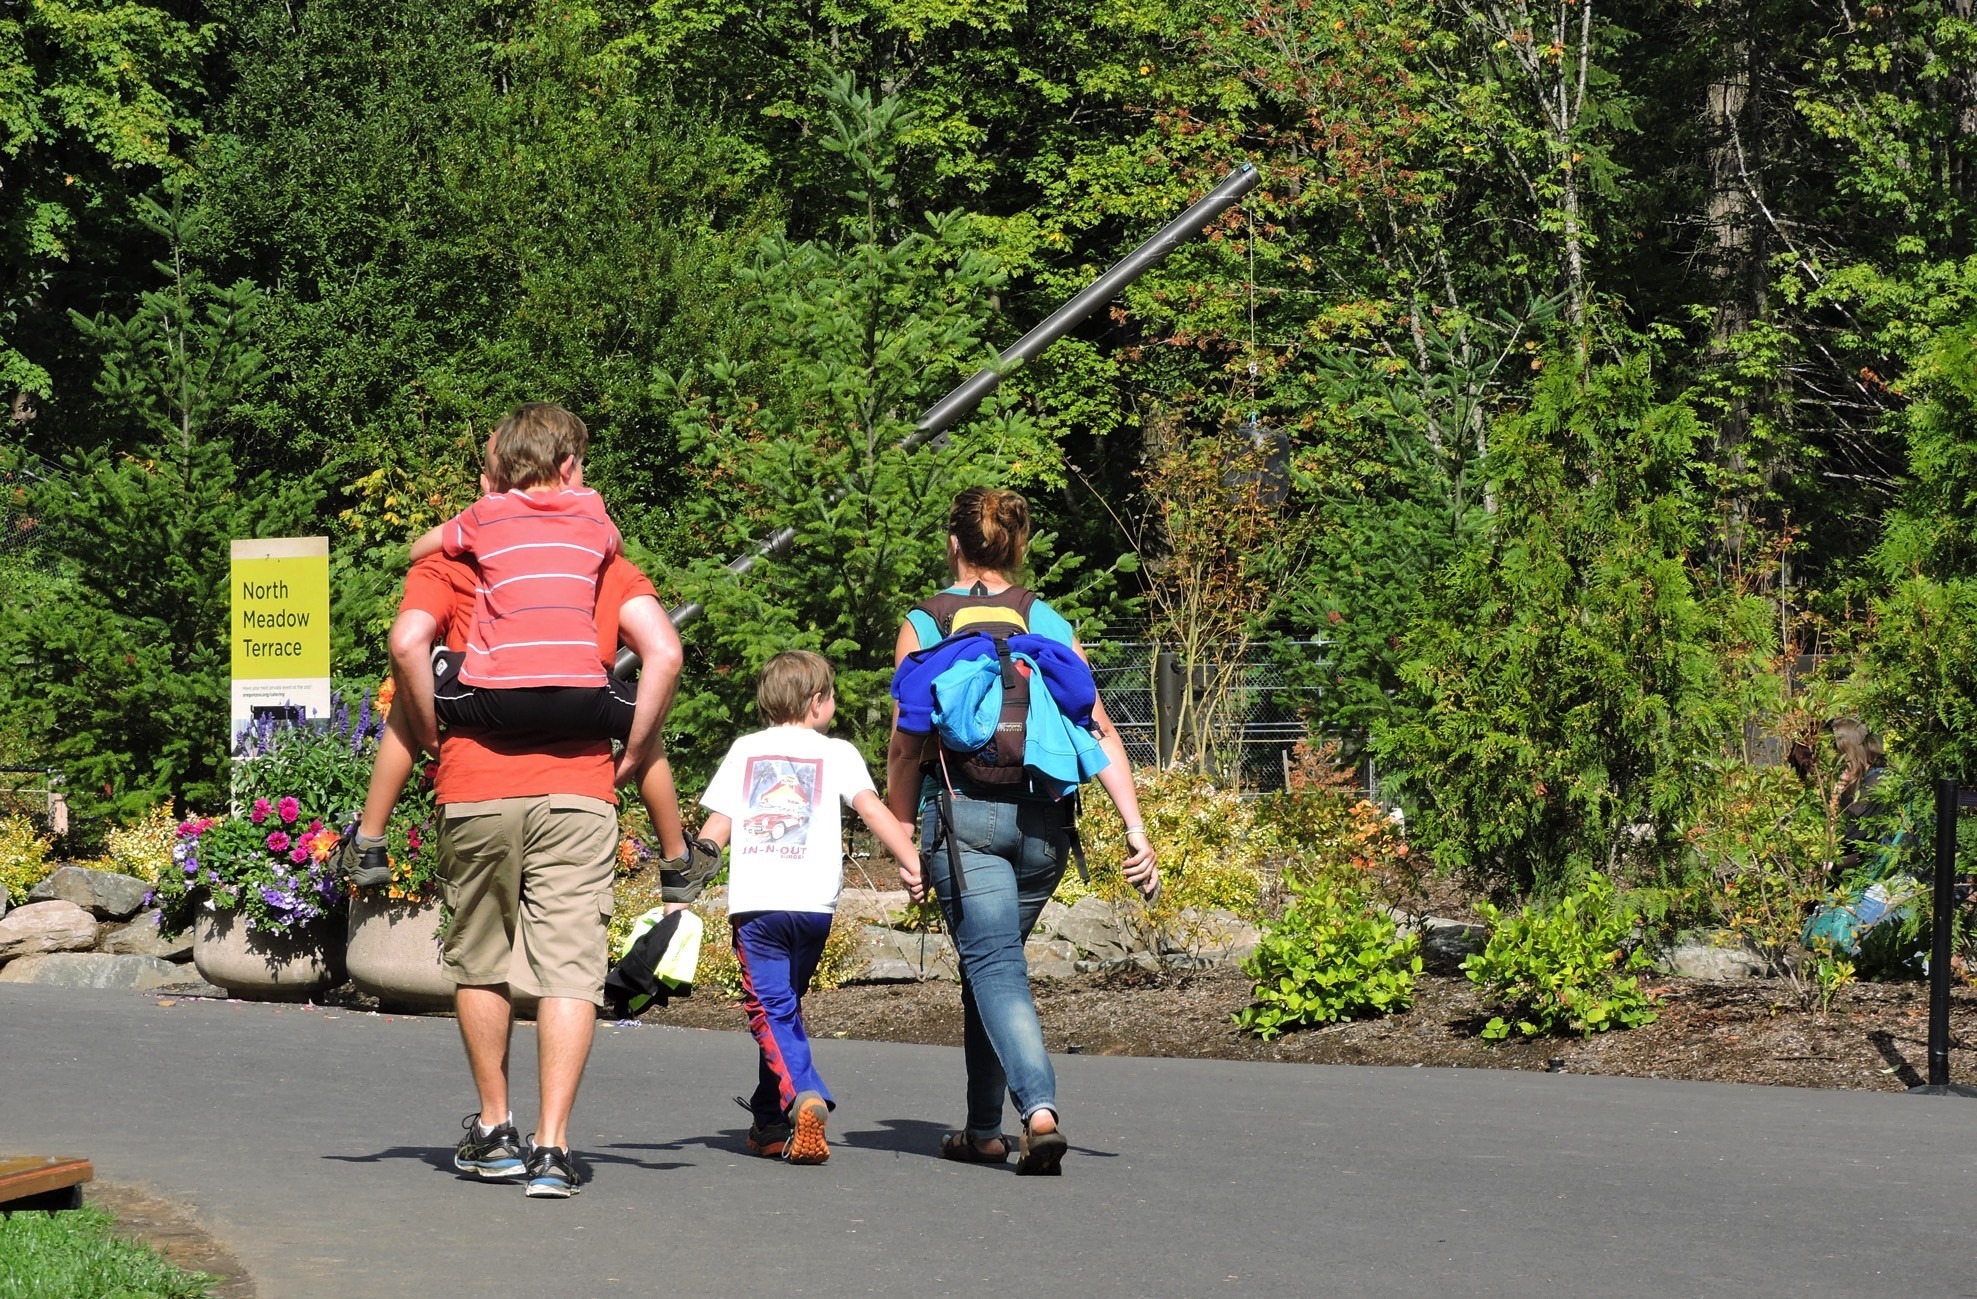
column 1042, row 1153
column 961, row 1148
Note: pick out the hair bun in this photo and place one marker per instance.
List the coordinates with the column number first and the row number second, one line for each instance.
column 992, row 527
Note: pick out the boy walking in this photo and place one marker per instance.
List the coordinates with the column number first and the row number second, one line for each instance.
column 776, row 797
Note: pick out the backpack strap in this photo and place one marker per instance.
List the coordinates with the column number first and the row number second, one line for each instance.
column 1007, row 611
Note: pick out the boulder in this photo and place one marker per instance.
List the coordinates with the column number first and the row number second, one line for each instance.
column 896, row 956
column 196, row 987
column 3, row 902
column 872, row 906
column 92, row 970
column 1051, row 958
column 1047, row 921
column 106, row 894
column 1698, row 958
column 141, row 937
column 42, row 927
column 1091, row 926
column 1446, row 944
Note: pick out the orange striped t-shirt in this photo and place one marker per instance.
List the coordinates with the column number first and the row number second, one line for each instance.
column 539, row 555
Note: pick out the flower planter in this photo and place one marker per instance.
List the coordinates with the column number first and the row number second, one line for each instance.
column 394, row 953
column 260, row 966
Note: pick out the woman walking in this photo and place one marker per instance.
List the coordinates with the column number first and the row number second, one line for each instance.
column 1012, row 841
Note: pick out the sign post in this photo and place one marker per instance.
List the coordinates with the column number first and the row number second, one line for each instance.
column 281, row 634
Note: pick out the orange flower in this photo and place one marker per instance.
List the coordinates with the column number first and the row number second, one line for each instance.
column 323, row 845
column 386, row 692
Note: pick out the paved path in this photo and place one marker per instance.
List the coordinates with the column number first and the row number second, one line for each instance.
column 315, row 1144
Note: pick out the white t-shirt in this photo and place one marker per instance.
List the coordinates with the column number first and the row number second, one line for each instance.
column 781, row 788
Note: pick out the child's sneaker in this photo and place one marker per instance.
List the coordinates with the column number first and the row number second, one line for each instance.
column 366, row 867
column 769, row 1142
column 807, row 1117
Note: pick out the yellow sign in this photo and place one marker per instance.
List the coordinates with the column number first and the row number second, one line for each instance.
column 281, row 631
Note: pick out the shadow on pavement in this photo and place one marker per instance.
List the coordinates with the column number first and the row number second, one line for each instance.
column 919, row 1137
column 441, row 1157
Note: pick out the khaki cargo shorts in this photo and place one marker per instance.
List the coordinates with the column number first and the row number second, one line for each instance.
column 529, row 884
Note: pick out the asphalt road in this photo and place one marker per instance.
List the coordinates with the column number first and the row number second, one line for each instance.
column 315, row 1143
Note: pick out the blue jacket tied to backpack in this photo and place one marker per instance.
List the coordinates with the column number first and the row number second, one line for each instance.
column 955, row 688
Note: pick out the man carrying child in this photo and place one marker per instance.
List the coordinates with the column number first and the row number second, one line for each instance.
column 528, row 823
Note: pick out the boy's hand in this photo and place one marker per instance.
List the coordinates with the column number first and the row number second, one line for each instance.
column 911, row 880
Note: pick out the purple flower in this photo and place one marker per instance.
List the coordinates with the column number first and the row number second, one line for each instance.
column 288, row 809
column 278, row 842
column 260, row 812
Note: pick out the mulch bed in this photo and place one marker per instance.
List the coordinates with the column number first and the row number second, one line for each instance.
column 1873, row 1037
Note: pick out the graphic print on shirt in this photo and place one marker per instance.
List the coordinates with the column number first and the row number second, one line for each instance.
column 781, row 800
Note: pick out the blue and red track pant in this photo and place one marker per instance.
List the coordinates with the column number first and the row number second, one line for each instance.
column 778, row 952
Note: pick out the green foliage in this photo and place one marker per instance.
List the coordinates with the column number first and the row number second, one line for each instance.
column 1332, row 955
column 1568, row 965
column 143, row 849
column 1922, row 678
column 91, row 91
column 120, row 660
column 884, row 320
column 1215, row 855
column 1554, row 705
column 24, row 859
column 76, row 1254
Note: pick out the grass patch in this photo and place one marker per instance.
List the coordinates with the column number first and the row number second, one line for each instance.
column 75, row 1255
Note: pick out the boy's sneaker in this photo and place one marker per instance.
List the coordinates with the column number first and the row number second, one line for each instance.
column 807, row 1116
column 552, row 1173
column 367, row 868
column 769, row 1142
column 498, row 1154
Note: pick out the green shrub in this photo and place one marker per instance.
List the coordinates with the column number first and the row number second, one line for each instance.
column 143, row 849
column 1564, row 965
column 23, row 858
column 1211, row 855
column 1320, row 822
column 1331, row 956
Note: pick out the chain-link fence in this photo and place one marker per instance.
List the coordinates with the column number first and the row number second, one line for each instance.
column 1263, row 713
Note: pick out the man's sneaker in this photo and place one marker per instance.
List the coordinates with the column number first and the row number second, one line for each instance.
column 807, row 1116
column 367, row 868
column 552, row 1173
column 499, row 1154
column 769, row 1142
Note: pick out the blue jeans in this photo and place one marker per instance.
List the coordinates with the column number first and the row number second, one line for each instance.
column 1012, row 855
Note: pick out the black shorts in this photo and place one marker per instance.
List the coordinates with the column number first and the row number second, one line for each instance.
column 565, row 712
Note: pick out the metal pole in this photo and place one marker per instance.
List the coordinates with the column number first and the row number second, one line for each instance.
column 961, row 402
column 1939, row 952
column 1167, row 695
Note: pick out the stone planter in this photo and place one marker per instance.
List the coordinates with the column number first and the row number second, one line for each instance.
column 394, row 953
column 265, row 967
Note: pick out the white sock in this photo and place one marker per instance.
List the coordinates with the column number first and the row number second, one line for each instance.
column 480, row 1131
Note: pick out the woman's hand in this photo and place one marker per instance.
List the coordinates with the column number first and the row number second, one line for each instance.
column 1141, row 867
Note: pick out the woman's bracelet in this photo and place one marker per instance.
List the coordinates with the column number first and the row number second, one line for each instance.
column 1136, row 829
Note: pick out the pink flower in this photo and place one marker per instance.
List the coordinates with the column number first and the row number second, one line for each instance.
column 298, row 855
column 278, row 842
column 260, row 812
column 288, row 809
column 315, row 827
column 412, row 837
